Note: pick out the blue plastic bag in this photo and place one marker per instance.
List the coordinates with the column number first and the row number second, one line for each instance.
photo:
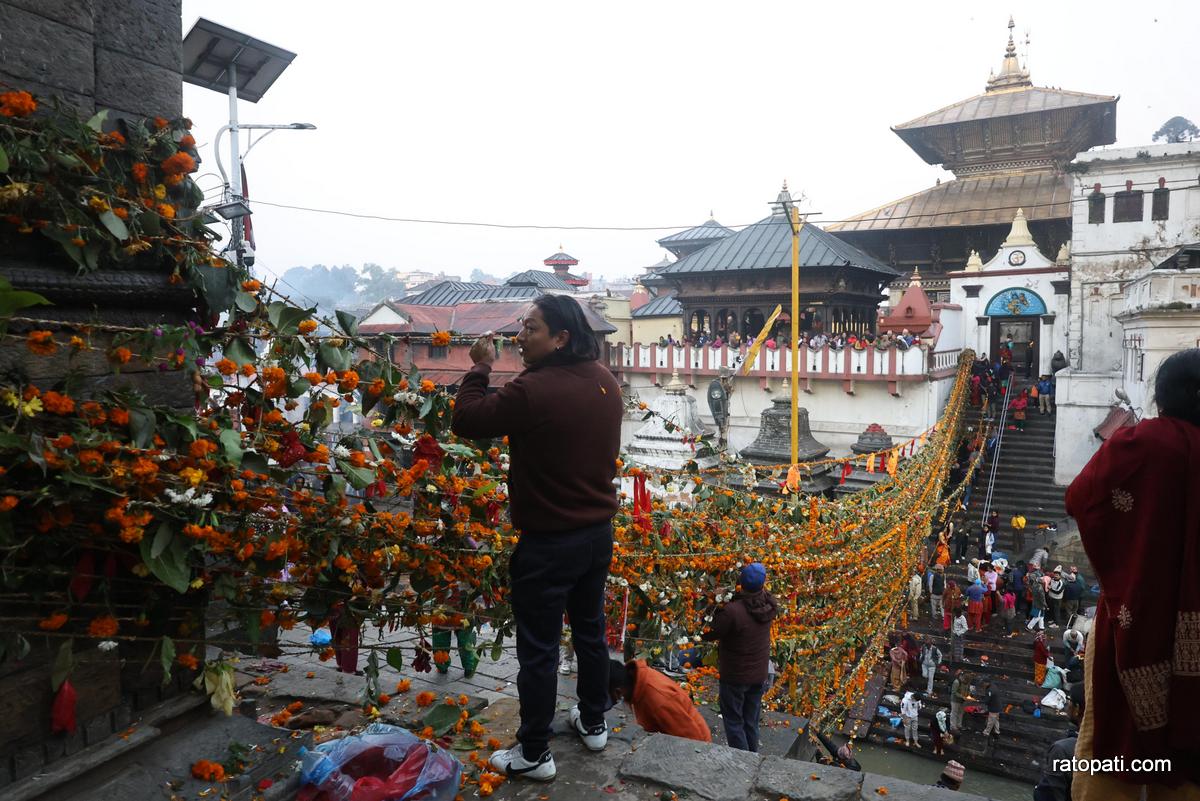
column 320, row 638
column 387, row 747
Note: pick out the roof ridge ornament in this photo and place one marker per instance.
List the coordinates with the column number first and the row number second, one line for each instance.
column 1018, row 235
column 1011, row 75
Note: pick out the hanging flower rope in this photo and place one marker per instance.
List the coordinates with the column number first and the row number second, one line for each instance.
column 121, row 518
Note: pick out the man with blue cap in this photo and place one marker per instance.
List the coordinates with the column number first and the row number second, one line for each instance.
column 742, row 627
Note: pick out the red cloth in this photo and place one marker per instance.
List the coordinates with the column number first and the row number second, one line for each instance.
column 1137, row 503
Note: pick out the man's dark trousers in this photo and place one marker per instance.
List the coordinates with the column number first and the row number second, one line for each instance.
column 551, row 573
column 740, row 708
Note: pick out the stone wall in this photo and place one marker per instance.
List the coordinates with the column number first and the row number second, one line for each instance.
column 122, row 55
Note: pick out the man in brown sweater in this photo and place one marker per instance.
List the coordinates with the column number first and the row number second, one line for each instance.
column 743, row 629
column 562, row 417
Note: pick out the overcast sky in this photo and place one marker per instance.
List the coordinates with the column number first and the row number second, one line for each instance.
column 634, row 114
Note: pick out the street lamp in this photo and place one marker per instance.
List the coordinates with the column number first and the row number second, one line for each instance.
column 225, row 60
column 785, row 206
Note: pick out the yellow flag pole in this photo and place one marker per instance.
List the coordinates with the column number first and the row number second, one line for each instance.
column 752, row 353
column 795, row 221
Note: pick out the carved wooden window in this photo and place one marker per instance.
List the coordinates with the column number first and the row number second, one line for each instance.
column 1128, row 206
column 1160, row 207
column 1096, row 207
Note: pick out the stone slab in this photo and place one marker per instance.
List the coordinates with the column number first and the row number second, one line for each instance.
column 779, row 777
column 901, row 790
column 75, row 13
column 131, row 84
column 150, row 32
column 49, row 52
column 710, row 771
column 82, row 762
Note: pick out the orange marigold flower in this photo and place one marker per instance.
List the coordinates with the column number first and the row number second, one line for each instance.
column 308, row 326
column 384, row 699
column 188, row 661
column 103, row 626
column 248, row 370
column 57, row 403
column 17, row 104
column 91, row 460
column 427, row 385
column 404, row 685
column 343, row 562
column 187, row 141
column 208, row 771
column 313, row 378
column 441, row 657
column 251, row 286
column 77, row 343
column 441, row 338
column 8, row 503
column 121, row 212
column 227, row 367
column 166, row 210
column 63, row 441
column 54, row 622
column 140, row 172
column 120, row 355
column 425, row 698
column 160, row 123
column 41, row 342
column 376, row 387
column 78, row 241
column 118, row 416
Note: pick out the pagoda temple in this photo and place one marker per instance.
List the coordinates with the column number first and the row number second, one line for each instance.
column 561, row 263
column 729, row 281
column 1007, row 148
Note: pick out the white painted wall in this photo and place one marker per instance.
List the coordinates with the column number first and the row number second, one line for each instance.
column 836, row 419
column 1161, row 315
column 1083, row 400
column 1106, row 255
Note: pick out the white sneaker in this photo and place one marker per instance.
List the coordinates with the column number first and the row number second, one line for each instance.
column 595, row 737
column 512, row 763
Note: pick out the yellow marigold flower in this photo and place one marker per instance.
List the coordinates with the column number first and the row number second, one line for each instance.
column 98, row 204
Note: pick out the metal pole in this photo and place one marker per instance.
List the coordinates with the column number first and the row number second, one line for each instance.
column 795, row 221
column 235, row 169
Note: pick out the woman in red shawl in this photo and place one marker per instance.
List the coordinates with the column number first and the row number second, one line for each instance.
column 1040, row 654
column 1137, row 503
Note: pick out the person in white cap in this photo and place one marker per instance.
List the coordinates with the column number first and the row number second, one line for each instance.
column 1054, row 595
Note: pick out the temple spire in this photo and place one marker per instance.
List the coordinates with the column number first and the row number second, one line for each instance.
column 1011, row 76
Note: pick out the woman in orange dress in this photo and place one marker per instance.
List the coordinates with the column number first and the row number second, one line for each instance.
column 941, row 555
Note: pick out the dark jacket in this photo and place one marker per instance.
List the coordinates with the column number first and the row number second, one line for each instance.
column 938, row 586
column 994, row 704
column 1073, row 590
column 563, row 423
column 743, row 627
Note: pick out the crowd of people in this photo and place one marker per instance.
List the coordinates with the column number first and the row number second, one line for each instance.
column 782, row 339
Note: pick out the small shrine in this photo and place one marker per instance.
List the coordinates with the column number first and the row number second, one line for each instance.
column 773, row 445
column 654, row 445
column 873, row 439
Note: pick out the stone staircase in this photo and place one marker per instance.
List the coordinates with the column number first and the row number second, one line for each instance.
column 1008, row 664
column 1024, row 483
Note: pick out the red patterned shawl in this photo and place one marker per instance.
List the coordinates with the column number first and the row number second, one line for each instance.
column 1137, row 503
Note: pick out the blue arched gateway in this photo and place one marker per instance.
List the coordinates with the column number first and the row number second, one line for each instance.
column 1015, row 314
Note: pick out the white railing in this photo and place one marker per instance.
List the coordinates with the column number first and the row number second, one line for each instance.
column 870, row 363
